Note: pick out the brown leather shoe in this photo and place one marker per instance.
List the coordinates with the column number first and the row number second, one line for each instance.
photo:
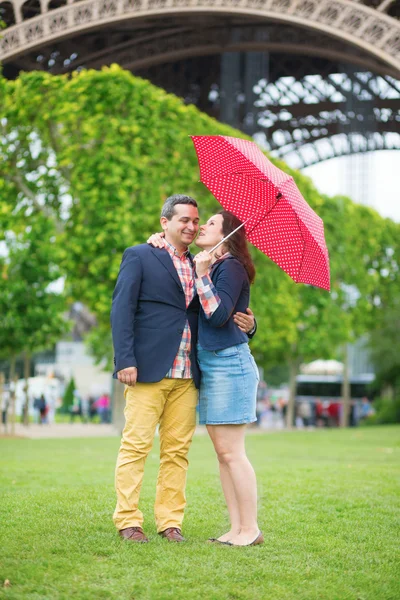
column 173, row 534
column 134, row 534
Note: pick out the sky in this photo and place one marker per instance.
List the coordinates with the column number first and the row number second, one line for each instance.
column 372, row 179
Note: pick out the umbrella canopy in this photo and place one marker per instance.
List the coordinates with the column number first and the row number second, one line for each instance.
column 280, row 223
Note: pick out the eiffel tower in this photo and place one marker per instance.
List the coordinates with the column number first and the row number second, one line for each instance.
column 309, row 79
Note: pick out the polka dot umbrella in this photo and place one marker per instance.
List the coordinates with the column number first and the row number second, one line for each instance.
column 277, row 219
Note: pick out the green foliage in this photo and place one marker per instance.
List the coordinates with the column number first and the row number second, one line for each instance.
column 97, row 153
column 30, row 313
column 387, row 412
column 385, row 347
column 68, row 398
column 277, row 375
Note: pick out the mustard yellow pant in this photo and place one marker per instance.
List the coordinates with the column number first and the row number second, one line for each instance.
column 172, row 404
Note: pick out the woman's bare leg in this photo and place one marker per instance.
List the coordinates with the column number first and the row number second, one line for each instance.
column 230, row 496
column 229, row 445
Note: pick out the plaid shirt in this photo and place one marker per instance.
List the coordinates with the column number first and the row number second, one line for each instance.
column 208, row 295
column 181, row 367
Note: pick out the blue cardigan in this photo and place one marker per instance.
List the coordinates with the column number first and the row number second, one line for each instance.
column 232, row 284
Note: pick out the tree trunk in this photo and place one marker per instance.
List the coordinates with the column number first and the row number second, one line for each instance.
column 3, row 406
column 293, row 369
column 27, row 370
column 13, row 385
column 388, row 391
column 346, row 393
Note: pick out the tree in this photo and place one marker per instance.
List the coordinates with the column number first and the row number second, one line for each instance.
column 68, row 398
column 365, row 262
column 104, row 149
column 385, row 349
column 31, row 314
column 97, row 153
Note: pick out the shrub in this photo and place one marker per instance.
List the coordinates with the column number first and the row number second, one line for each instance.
column 387, row 411
column 68, row 398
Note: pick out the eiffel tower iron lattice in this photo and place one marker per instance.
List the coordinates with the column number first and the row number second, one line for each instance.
column 311, row 79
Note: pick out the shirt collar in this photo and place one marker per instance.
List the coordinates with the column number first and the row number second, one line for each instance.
column 173, row 251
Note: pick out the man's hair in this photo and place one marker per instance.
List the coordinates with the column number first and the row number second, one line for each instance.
column 168, row 209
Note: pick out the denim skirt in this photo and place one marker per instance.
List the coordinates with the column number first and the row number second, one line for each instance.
column 228, row 389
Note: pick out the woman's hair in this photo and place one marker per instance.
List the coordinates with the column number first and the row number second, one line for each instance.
column 237, row 243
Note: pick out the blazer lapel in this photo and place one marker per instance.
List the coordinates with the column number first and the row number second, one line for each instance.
column 166, row 261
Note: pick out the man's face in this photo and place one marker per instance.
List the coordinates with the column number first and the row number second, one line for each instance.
column 182, row 229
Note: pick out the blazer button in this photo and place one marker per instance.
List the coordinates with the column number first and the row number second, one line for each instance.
column 180, row 331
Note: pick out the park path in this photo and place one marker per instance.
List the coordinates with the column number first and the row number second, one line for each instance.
column 69, row 430
column 64, row 430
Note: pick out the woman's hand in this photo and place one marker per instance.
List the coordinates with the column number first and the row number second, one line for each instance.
column 156, row 240
column 203, row 262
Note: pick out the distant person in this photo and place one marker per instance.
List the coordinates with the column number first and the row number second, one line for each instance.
column 298, row 421
column 366, row 409
column 324, row 413
column 262, row 395
column 103, row 408
column 334, row 413
column 305, row 413
column 266, row 419
column 92, row 408
column 353, row 414
column 43, row 409
column 85, row 409
column 283, row 404
column 76, row 408
column 4, row 409
column 36, row 407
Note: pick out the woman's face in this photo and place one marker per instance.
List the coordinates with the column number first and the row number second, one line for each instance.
column 210, row 233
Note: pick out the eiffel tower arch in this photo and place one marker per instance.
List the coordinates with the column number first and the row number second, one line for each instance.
column 321, row 75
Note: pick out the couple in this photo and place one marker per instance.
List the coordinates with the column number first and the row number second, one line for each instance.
column 179, row 323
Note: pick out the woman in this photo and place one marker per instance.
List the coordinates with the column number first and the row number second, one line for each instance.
column 229, row 373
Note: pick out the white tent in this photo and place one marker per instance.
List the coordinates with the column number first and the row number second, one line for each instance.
column 322, row 367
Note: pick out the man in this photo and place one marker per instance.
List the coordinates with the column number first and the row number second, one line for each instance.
column 154, row 324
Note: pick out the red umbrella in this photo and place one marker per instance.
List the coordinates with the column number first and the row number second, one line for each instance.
column 278, row 220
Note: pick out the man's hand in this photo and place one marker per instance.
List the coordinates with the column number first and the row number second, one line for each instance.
column 156, row 240
column 203, row 262
column 245, row 322
column 128, row 376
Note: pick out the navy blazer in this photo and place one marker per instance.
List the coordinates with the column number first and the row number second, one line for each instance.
column 149, row 313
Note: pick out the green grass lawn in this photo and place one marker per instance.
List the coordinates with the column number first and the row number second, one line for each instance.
column 329, row 510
